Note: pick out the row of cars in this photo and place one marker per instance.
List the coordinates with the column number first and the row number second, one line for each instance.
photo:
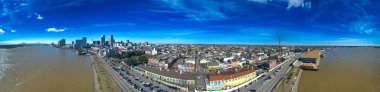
column 263, row 80
column 171, row 87
column 135, row 80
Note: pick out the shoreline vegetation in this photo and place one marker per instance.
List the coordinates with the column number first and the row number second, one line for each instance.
column 290, row 81
column 97, row 81
column 102, row 82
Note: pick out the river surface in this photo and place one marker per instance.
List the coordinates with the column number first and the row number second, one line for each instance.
column 345, row 70
column 44, row 69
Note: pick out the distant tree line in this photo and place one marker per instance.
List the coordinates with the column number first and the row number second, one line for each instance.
column 122, row 55
column 132, row 58
column 136, row 60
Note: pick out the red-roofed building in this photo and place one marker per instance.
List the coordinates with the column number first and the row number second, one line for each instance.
column 219, row 82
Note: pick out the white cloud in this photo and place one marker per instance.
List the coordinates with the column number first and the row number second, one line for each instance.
column 291, row 3
column 13, row 31
column 352, row 41
column 295, row 3
column 204, row 10
column 39, row 17
column 113, row 24
column 260, row 1
column 188, row 32
column 55, row 29
column 110, row 24
column 2, row 31
column 364, row 25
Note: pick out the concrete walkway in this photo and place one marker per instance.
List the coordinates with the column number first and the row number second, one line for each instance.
column 295, row 87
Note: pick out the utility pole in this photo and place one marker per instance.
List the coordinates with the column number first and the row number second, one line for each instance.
column 279, row 48
column 279, row 44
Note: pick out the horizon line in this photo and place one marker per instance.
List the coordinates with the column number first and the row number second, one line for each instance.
column 223, row 44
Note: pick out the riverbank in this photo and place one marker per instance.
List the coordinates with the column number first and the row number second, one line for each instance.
column 97, row 84
column 290, row 82
column 103, row 81
column 296, row 83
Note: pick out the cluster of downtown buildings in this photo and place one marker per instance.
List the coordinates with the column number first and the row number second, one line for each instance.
column 201, row 66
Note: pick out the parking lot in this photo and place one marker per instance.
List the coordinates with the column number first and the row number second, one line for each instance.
column 142, row 83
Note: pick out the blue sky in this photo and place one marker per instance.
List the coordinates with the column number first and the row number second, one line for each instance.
column 297, row 22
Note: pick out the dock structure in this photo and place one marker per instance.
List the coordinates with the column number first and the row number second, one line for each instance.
column 310, row 60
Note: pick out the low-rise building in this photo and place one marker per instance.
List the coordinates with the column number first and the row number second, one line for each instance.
column 233, row 64
column 153, row 62
column 190, row 60
column 226, row 81
column 204, row 61
column 154, row 51
column 213, row 66
column 270, row 64
column 189, row 67
column 181, row 78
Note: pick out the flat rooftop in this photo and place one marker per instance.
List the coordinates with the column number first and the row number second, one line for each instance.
column 230, row 76
column 312, row 54
column 171, row 73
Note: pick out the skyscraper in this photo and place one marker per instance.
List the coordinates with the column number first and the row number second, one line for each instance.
column 62, row 43
column 126, row 42
column 102, row 40
column 84, row 40
column 111, row 41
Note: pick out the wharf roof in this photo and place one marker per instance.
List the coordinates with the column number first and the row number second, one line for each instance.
column 230, row 76
column 312, row 54
column 171, row 73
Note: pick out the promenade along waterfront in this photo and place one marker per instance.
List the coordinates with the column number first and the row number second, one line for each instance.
column 46, row 69
column 345, row 70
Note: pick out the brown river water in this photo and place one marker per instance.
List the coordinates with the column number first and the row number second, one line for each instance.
column 345, row 70
column 44, row 69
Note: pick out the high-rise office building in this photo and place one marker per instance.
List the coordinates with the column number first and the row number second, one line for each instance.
column 111, row 41
column 80, row 43
column 84, row 40
column 126, row 42
column 103, row 40
column 62, row 43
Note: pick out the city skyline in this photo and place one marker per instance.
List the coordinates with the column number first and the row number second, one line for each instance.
column 298, row 22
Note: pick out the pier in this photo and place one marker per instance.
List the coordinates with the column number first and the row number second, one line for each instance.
column 310, row 60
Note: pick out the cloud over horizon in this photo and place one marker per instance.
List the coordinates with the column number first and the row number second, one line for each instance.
column 55, row 29
column 2, row 31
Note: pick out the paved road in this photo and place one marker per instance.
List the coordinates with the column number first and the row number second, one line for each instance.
column 268, row 82
column 200, row 74
column 276, row 76
column 136, row 78
column 147, row 80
